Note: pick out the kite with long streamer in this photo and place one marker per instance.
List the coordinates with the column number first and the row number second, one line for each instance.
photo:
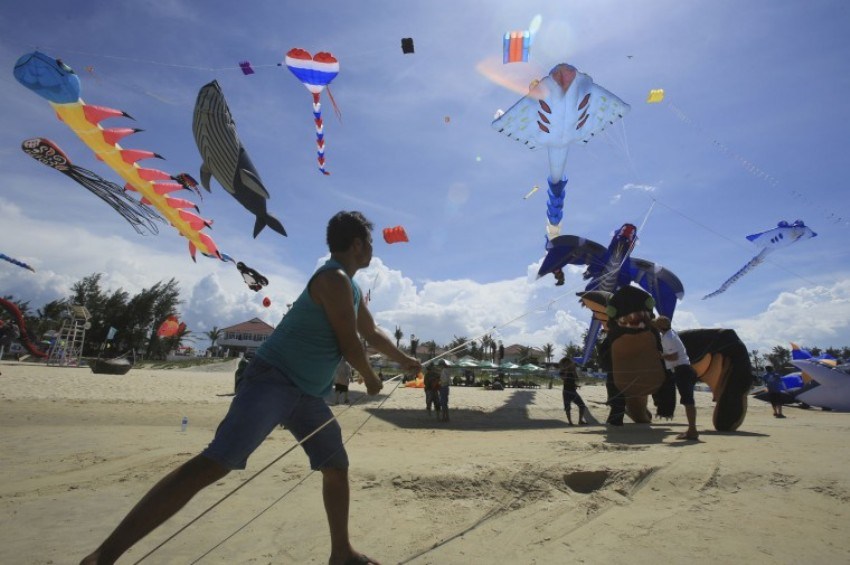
column 57, row 83
column 316, row 72
column 560, row 109
column 16, row 262
column 137, row 214
column 783, row 235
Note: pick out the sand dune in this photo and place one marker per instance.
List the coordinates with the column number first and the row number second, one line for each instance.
column 506, row 481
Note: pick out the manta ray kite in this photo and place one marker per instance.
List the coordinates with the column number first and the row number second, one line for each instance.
column 563, row 108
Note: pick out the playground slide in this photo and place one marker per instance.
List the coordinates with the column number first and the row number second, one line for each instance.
column 18, row 319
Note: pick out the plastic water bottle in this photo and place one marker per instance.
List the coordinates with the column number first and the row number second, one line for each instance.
column 184, row 424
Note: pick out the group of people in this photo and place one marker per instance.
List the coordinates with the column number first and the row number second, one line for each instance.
column 679, row 370
column 437, row 385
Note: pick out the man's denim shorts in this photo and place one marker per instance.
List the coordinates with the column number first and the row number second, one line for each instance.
column 267, row 398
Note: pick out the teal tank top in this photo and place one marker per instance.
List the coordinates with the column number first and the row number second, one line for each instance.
column 303, row 345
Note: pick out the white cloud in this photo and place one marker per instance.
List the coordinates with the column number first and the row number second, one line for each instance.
column 818, row 315
column 521, row 310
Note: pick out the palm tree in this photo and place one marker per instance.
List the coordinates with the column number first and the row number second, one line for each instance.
column 456, row 344
column 398, row 335
column 756, row 359
column 780, row 356
column 485, row 344
column 214, row 335
column 572, row 350
column 548, row 351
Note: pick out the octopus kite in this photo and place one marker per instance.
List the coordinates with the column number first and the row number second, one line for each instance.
column 58, row 84
column 562, row 108
column 137, row 214
column 316, row 72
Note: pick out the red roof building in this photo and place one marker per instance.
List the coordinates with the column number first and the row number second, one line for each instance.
column 245, row 337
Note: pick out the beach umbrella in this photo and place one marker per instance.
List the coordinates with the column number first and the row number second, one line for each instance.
column 509, row 366
column 531, row 368
column 487, row 365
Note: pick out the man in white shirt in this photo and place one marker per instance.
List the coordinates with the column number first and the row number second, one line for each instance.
column 342, row 378
column 677, row 362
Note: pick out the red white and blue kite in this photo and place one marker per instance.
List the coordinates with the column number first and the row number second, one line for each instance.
column 316, row 72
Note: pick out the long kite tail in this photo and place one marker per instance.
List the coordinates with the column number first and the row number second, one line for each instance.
column 320, row 132
column 555, row 207
column 754, row 262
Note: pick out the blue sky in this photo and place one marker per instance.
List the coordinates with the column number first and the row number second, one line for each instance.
column 752, row 131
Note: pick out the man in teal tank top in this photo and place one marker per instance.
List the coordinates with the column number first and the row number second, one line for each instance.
column 284, row 385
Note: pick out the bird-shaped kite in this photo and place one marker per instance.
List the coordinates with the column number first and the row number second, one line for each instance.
column 783, row 235
column 316, row 72
column 56, row 82
column 562, row 108
column 137, row 214
column 252, row 278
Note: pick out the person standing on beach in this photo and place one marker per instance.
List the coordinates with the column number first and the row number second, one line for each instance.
column 285, row 385
column 678, row 364
column 431, row 383
column 240, row 370
column 342, row 378
column 775, row 386
column 567, row 372
column 445, row 382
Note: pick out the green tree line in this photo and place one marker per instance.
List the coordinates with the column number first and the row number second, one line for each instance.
column 136, row 318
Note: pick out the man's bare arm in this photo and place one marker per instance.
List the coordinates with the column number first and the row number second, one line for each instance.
column 381, row 341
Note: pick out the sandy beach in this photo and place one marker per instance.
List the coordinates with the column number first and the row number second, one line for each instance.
column 506, row 481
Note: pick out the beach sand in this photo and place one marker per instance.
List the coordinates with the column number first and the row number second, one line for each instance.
column 506, row 481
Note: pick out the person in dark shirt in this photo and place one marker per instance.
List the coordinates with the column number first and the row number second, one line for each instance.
column 775, row 386
column 569, row 375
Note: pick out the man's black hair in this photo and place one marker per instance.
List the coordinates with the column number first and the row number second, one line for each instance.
column 345, row 227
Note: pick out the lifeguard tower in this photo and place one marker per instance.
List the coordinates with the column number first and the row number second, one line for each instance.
column 67, row 348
